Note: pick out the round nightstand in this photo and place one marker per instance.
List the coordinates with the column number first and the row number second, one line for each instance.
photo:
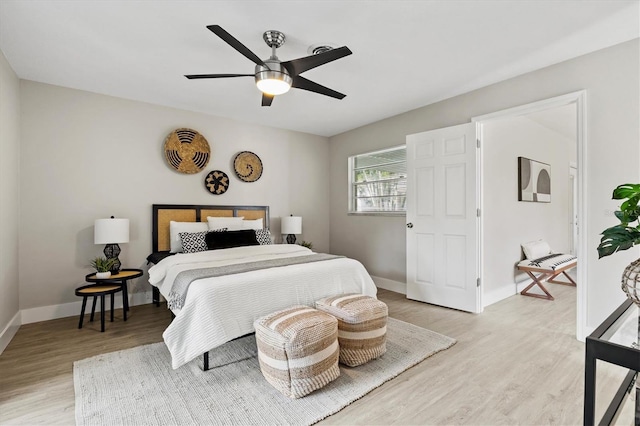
column 96, row 291
column 120, row 278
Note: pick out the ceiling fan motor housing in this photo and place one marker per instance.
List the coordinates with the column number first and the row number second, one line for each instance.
column 275, row 71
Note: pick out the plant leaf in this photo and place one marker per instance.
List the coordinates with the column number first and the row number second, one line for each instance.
column 617, row 238
column 627, row 216
column 627, row 190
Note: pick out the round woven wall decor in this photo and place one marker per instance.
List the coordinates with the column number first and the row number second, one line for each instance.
column 186, row 150
column 217, row 182
column 248, row 166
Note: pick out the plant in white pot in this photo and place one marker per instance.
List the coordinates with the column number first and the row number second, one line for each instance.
column 624, row 236
column 102, row 265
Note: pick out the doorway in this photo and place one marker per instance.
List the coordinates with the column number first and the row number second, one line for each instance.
column 493, row 291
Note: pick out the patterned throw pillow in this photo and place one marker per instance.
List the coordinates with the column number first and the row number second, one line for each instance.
column 194, row 242
column 263, row 236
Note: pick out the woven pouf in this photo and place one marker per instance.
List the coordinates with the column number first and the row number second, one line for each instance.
column 362, row 326
column 298, row 349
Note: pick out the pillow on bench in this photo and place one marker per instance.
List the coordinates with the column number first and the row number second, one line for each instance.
column 536, row 249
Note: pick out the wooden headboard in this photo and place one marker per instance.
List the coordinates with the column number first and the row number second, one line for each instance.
column 165, row 213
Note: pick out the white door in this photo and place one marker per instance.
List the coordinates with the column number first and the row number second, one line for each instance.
column 442, row 222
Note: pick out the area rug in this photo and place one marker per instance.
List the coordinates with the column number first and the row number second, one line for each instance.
column 138, row 387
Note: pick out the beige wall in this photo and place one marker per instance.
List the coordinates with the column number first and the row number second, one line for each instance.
column 611, row 78
column 9, row 195
column 86, row 156
column 508, row 222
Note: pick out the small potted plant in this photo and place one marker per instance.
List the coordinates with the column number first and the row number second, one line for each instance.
column 306, row 244
column 102, row 265
column 624, row 236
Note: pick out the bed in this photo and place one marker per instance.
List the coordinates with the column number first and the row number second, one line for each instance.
column 216, row 295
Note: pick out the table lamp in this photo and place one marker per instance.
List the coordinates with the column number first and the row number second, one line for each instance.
column 291, row 225
column 111, row 232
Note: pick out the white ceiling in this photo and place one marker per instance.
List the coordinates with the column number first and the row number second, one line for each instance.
column 406, row 54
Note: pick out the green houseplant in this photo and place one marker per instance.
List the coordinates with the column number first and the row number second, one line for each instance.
column 306, row 244
column 624, row 236
column 102, row 265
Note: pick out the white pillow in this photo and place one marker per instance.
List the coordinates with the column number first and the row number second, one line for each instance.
column 252, row 224
column 536, row 249
column 231, row 223
column 175, row 228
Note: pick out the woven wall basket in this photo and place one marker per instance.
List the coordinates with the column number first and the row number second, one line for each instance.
column 217, row 182
column 186, row 150
column 248, row 166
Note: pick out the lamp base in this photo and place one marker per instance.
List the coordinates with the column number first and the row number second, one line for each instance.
column 291, row 239
column 112, row 251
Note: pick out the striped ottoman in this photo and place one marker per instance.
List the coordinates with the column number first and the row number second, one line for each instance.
column 298, row 349
column 362, row 326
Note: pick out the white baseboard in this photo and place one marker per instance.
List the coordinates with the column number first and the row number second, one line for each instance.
column 535, row 289
column 46, row 313
column 508, row 290
column 391, row 285
column 9, row 331
column 501, row 293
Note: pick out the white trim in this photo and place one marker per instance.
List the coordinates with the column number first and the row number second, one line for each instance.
column 391, row 285
column 46, row 313
column 535, row 289
column 537, row 106
column 480, row 296
column 578, row 98
column 499, row 294
column 9, row 331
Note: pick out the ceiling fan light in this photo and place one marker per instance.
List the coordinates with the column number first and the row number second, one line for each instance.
column 273, row 82
column 273, row 86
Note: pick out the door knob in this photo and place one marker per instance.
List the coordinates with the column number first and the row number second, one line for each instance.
column 409, row 225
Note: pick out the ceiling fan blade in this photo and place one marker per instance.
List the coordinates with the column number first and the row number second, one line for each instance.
column 300, row 65
column 194, row 76
column 233, row 42
column 305, row 84
column 267, row 99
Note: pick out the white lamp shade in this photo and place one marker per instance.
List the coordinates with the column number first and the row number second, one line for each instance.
column 291, row 225
column 111, row 231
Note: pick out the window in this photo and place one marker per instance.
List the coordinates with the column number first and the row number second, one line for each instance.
column 378, row 181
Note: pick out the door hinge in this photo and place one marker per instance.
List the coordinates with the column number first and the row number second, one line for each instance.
column 478, row 143
column 478, row 212
column 478, row 282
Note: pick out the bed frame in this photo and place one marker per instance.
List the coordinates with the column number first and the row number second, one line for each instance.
column 165, row 213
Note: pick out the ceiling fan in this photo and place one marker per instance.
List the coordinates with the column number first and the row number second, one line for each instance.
column 274, row 77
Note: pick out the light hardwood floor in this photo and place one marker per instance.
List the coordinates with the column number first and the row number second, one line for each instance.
column 516, row 363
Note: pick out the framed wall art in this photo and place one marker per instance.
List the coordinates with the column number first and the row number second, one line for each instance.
column 534, row 181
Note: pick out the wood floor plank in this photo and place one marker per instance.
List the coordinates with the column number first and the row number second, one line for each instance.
column 516, row 363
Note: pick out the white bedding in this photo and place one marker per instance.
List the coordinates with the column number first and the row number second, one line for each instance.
column 219, row 309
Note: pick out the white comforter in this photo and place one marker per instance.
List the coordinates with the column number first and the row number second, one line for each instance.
column 219, row 309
